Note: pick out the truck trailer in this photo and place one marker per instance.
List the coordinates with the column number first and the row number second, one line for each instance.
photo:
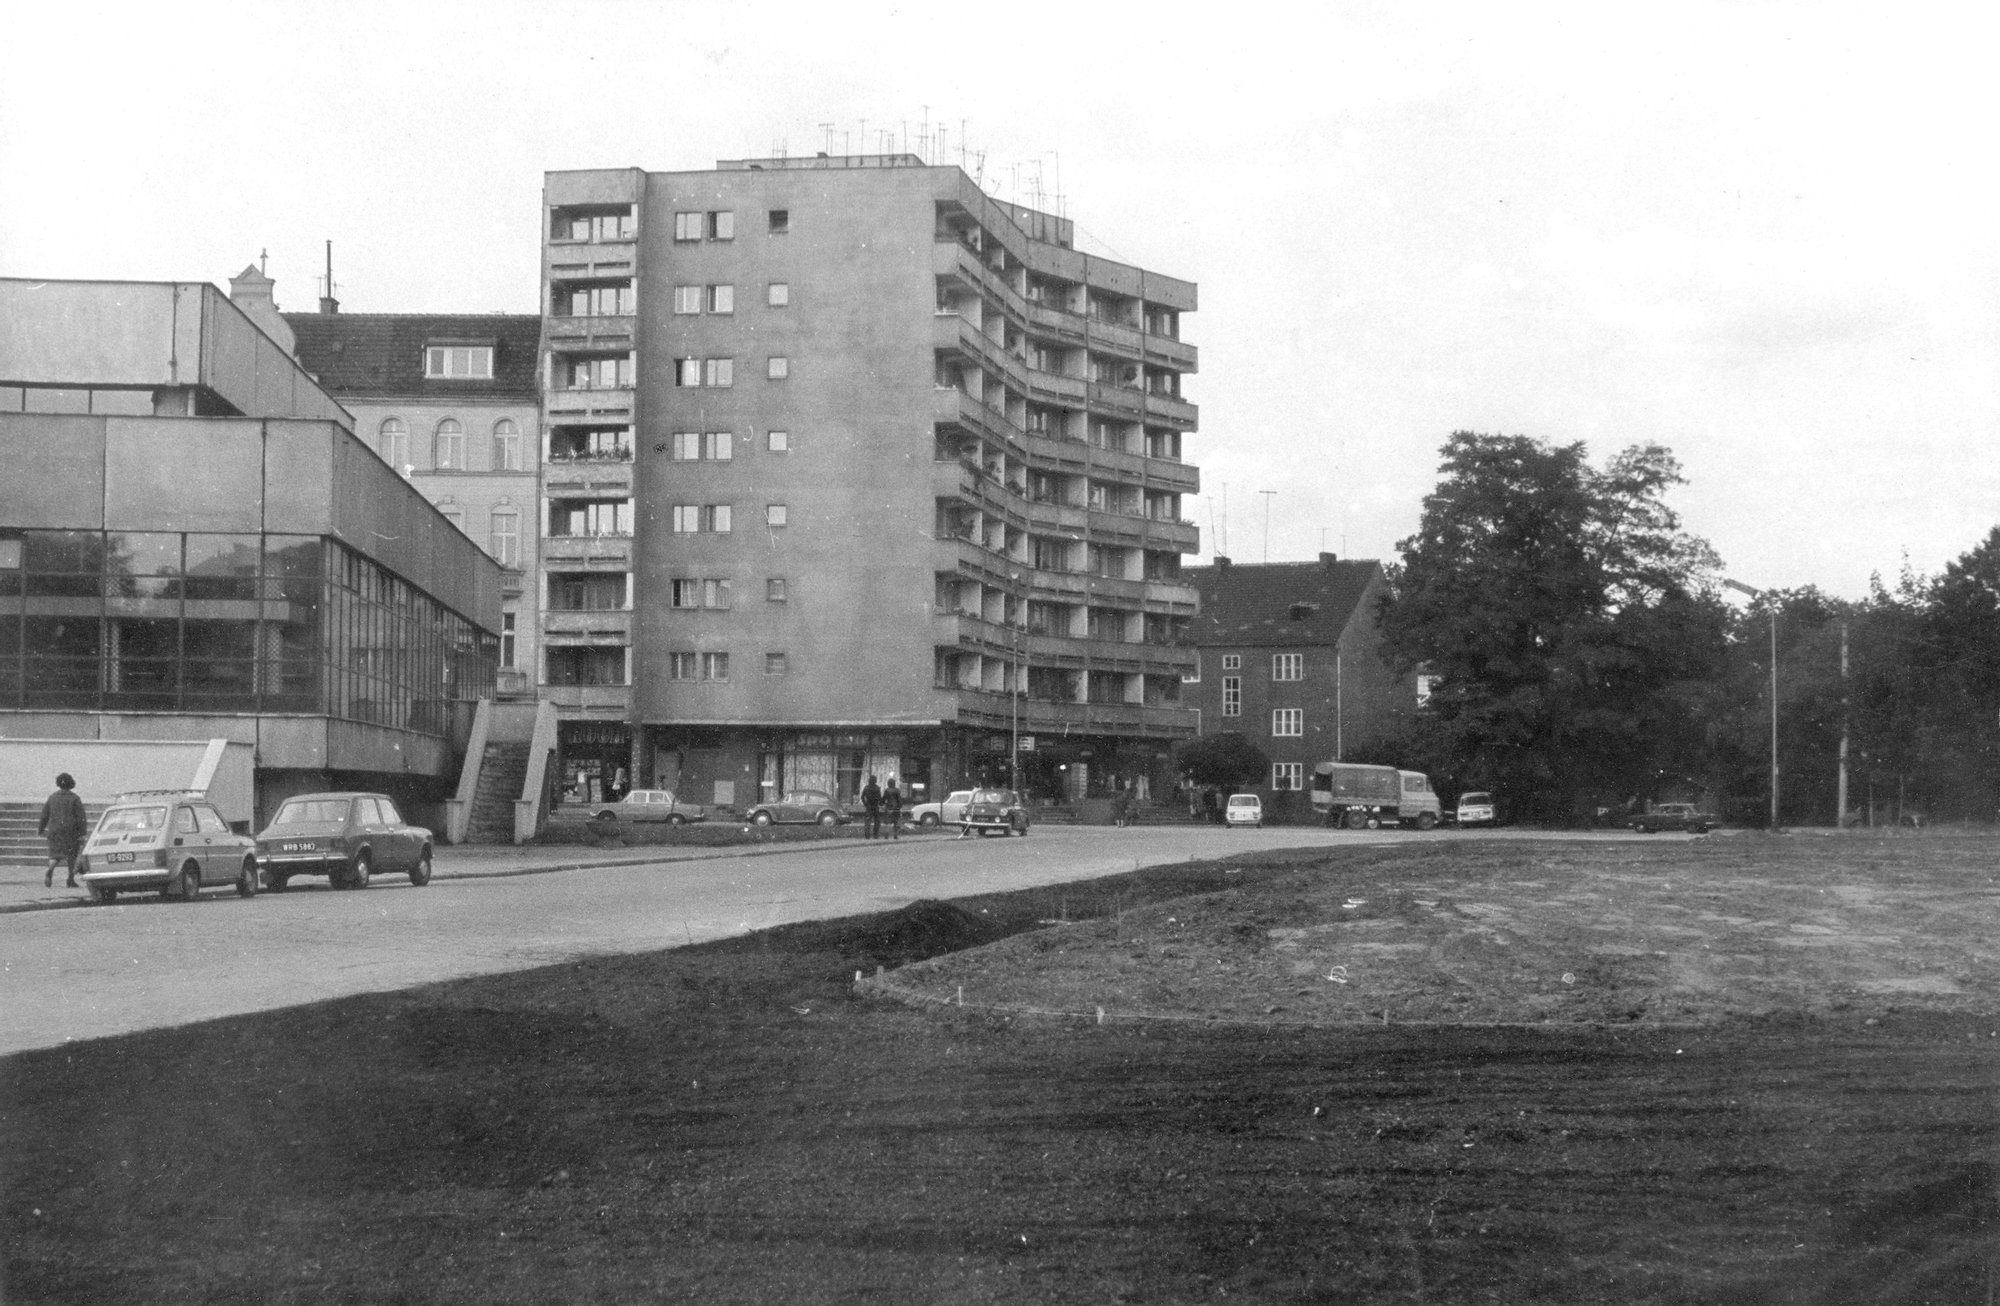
column 1360, row 796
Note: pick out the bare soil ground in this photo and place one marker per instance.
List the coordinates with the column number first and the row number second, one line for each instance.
column 1740, row 1069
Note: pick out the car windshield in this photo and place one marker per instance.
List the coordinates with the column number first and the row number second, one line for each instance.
column 1474, row 799
column 132, row 818
column 1243, row 800
column 312, row 811
column 992, row 796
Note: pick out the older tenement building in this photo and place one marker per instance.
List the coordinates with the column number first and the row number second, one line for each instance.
column 849, row 468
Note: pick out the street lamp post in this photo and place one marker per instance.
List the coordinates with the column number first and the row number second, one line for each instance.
column 1014, row 690
column 1757, row 594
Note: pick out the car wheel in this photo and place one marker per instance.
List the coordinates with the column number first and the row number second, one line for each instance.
column 760, row 818
column 608, row 817
column 246, row 878
column 187, row 886
column 828, row 818
column 676, row 819
column 1356, row 819
column 928, row 818
column 420, row 874
column 357, row 875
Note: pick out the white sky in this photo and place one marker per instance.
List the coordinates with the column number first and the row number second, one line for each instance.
column 1763, row 234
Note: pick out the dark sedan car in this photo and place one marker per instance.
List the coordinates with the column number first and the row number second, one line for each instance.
column 992, row 810
column 806, row 807
column 348, row 838
column 1672, row 816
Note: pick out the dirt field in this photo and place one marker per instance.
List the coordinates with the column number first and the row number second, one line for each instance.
column 1739, row 1069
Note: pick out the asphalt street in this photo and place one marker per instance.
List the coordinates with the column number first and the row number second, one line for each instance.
column 89, row 972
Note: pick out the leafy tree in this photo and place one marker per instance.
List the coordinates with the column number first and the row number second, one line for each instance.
column 1223, row 761
column 1572, row 626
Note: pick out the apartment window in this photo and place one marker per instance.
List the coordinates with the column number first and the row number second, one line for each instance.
column 1288, row 666
column 448, row 445
column 686, row 446
column 683, row 593
column 459, row 362
column 721, row 299
column 715, row 666
column 598, row 373
column 693, row 372
column 699, row 593
column 778, row 294
column 777, row 442
column 507, row 640
column 575, row 224
column 1288, row 722
column 586, row 666
column 578, row 517
column 393, row 442
column 703, row 446
column 506, row 537
column 775, row 664
column 687, row 299
column 616, row 299
column 453, row 514
column 691, row 518
column 1232, row 661
column 774, row 514
column 506, row 446
column 688, row 226
column 587, row 591
column 1232, row 696
column 1193, row 676
column 779, row 221
column 774, row 590
column 590, row 444
column 1288, row 775
column 722, row 225
column 683, row 666
column 778, row 368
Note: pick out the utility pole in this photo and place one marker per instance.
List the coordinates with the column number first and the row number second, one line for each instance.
column 1840, row 790
column 1267, row 522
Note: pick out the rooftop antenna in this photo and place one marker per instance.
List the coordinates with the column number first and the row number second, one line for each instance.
column 1268, row 495
column 1223, row 538
column 327, row 303
column 961, row 145
column 264, row 261
column 864, row 134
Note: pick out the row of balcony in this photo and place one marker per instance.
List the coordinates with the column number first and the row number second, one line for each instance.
column 998, row 709
column 951, row 258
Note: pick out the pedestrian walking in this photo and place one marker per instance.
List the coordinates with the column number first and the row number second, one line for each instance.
column 892, row 808
column 871, row 802
column 64, row 826
column 1121, row 807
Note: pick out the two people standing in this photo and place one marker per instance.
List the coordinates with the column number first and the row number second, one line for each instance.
column 876, row 802
column 63, row 824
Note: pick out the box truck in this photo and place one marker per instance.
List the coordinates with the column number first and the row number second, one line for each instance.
column 1360, row 796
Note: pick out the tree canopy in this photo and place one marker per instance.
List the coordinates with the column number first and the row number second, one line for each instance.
column 1223, row 761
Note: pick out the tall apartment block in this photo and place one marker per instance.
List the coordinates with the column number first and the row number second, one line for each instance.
column 849, row 468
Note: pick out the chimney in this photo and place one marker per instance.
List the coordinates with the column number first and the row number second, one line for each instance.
column 1326, row 561
column 328, row 305
column 1221, row 563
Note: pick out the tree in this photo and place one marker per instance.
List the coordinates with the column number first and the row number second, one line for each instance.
column 1223, row 761
column 1571, row 626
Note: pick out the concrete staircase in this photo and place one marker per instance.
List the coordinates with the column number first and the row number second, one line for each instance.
column 502, row 768
column 19, row 844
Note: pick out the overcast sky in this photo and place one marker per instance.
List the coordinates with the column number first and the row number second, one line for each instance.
column 1762, row 234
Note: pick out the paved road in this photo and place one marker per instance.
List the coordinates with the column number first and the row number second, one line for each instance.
column 97, row 971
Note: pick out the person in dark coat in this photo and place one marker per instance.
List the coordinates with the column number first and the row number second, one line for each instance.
column 871, row 802
column 64, row 826
column 892, row 808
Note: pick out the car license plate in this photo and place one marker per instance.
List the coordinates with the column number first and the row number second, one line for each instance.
column 118, row 857
column 296, row 847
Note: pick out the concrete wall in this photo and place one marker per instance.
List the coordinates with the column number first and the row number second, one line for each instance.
column 103, row 769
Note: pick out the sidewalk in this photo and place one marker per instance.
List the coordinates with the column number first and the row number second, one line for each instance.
column 21, row 886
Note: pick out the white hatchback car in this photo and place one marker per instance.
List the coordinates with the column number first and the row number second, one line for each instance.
column 1244, row 809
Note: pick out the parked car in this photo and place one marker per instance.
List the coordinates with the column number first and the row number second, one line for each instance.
column 173, row 841
column 348, row 838
column 652, row 805
column 1475, row 807
column 806, row 807
column 946, row 811
column 989, row 810
column 1672, row 816
column 1244, row 809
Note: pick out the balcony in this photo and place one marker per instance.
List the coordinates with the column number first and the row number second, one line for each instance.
column 607, row 475
column 594, row 625
column 1170, row 410
column 611, row 702
column 609, row 551
column 1040, row 716
column 565, row 405
column 1165, row 351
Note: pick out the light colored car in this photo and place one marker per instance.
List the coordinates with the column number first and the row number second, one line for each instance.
column 1475, row 807
column 806, row 807
column 173, row 841
column 1244, row 809
column 944, row 812
column 346, row 837
column 652, row 805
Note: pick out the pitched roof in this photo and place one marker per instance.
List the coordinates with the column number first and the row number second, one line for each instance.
column 362, row 354
column 1279, row 603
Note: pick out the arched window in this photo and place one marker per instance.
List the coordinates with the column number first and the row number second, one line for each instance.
column 393, row 442
column 450, row 445
column 506, row 446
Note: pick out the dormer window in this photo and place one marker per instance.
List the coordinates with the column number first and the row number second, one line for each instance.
column 459, row 362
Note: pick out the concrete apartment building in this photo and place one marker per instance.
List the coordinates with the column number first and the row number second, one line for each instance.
column 195, row 546
column 1290, row 657
column 850, row 469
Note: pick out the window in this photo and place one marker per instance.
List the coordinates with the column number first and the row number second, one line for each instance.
column 577, row 517
column 459, row 362
column 778, row 294
column 506, row 546
column 780, row 221
column 1288, row 722
column 584, row 224
column 1426, row 686
column 722, row 225
column 449, row 445
column 699, row 593
column 775, row 664
column 586, row 666
column 393, row 442
column 722, row 299
column 587, row 591
column 607, row 373
column 1193, row 676
column 1288, row 666
column 778, row 368
column 715, row 666
column 777, row 442
column 683, row 666
column 1232, row 661
column 453, row 514
column 506, row 446
column 1232, row 696
column 690, row 518
column 774, row 514
column 1288, row 775
column 703, row 446
column 704, row 371
column 687, row 299
column 611, row 299
column 687, row 226
column 507, row 640
column 774, row 590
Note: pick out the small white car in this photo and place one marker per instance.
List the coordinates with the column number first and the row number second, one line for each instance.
column 1244, row 809
column 1475, row 807
column 949, row 811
